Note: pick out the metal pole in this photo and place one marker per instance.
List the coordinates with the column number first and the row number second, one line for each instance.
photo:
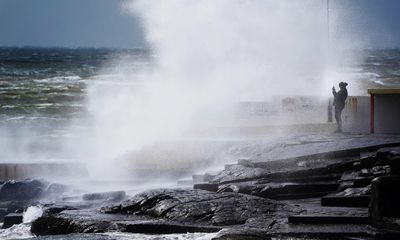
column 327, row 19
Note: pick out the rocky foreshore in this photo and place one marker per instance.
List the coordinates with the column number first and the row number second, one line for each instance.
column 335, row 195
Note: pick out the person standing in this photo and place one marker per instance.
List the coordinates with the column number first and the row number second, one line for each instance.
column 339, row 100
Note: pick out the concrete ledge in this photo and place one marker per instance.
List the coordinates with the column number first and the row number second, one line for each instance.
column 19, row 171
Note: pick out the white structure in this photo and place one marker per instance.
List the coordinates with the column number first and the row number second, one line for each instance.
column 356, row 114
column 385, row 110
column 283, row 111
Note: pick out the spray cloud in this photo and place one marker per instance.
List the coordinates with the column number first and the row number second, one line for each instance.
column 209, row 55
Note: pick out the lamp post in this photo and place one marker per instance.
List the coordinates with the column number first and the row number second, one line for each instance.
column 328, row 35
column 327, row 20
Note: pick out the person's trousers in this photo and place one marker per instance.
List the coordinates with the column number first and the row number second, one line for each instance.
column 338, row 117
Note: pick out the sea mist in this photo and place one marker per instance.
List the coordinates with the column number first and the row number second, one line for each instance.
column 206, row 56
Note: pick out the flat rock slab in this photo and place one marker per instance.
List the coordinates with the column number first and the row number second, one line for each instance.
column 294, row 190
column 327, row 231
column 201, row 207
column 346, row 201
column 168, row 211
column 163, row 227
column 326, row 219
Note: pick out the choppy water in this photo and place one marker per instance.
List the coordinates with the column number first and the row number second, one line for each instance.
column 43, row 89
column 50, row 83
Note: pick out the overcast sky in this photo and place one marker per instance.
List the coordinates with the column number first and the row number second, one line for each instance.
column 102, row 23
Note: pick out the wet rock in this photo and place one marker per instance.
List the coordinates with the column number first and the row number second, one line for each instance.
column 16, row 206
column 350, row 197
column 242, row 234
column 57, row 225
column 162, row 227
column 326, row 219
column 229, row 188
column 383, row 153
column 294, row 190
column 238, row 173
column 11, row 219
column 385, row 208
column 212, row 187
column 349, row 176
column 3, row 213
column 107, row 196
column 166, row 211
column 22, row 190
column 331, row 169
column 394, row 163
column 368, row 161
column 59, row 208
column 197, row 206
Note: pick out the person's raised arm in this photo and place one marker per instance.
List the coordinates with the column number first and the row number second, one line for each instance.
column 334, row 91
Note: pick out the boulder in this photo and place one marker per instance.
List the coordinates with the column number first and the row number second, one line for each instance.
column 22, row 190
column 11, row 219
column 385, row 198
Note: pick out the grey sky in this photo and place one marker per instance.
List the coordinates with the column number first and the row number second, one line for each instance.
column 102, row 23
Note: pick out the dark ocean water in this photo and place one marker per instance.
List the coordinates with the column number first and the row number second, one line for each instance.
column 382, row 67
column 51, row 83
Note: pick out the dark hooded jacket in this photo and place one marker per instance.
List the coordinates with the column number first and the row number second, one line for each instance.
column 339, row 99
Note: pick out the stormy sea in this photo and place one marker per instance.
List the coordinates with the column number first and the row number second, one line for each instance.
column 44, row 91
column 46, row 101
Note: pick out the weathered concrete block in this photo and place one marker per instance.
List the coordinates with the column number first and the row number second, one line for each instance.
column 11, row 219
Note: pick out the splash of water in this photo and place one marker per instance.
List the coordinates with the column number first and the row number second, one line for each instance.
column 23, row 230
column 32, row 213
column 209, row 55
